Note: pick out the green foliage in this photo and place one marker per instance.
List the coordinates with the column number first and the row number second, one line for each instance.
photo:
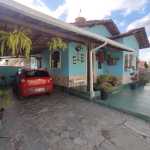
column 106, row 88
column 4, row 99
column 16, row 41
column 105, row 81
column 57, row 43
column 109, row 55
column 112, row 79
column 106, row 78
column 134, row 77
column 79, row 47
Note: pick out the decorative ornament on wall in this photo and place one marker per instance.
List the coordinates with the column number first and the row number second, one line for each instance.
column 78, row 48
column 74, row 59
column 82, row 57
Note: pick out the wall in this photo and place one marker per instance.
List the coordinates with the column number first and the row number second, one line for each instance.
column 118, row 68
column 98, row 29
column 7, row 71
column 64, row 70
column 129, row 41
column 78, row 69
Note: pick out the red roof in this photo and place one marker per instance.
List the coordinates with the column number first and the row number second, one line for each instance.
column 143, row 64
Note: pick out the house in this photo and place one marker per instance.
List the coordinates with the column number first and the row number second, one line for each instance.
column 71, row 67
column 143, row 64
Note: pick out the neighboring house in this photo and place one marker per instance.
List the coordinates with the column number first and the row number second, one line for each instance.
column 143, row 64
column 98, row 35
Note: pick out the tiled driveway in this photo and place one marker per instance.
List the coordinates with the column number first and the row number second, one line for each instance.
column 64, row 122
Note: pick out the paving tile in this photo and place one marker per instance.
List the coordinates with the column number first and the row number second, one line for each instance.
column 71, row 123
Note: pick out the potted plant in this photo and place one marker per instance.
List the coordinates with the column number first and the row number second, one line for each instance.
column 134, row 78
column 4, row 101
column 16, row 41
column 79, row 47
column 112, row 80
column 104, row 86
column 57, row 43
column 105, row 90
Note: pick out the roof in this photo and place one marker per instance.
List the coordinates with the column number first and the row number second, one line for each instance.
column 44, row 27
column 109, row 24
column 143, row 64
column 140, row 35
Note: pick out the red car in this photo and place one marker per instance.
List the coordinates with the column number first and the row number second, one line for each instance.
column 32, row 81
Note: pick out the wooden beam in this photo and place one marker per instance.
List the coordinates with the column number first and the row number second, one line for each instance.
column 37, row 38
column 42, row 29
column 36, row 46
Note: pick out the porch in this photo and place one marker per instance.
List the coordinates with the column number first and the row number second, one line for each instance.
column 134, row 102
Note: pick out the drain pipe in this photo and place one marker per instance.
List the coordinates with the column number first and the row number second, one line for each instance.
column 91, row 66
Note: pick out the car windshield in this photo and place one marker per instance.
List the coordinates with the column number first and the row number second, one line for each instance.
column 36, row 73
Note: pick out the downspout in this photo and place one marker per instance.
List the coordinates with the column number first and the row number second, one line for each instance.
column 91, row 70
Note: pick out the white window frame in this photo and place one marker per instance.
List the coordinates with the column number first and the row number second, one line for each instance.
column 50, row 59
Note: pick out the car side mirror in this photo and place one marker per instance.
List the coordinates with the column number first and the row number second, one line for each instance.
column 12, row 76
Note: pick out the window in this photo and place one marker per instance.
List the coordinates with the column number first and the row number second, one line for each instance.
column 130, row 61
column 36, row 73
column 55, row 59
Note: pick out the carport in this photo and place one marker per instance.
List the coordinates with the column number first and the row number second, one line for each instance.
column 45, row 27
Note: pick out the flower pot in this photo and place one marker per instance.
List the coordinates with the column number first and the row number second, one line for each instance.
column 1, row 113
column 77, row 49
column 133, row 85
column 104, row 95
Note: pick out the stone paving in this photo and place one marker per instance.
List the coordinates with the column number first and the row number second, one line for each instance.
column 63, row 122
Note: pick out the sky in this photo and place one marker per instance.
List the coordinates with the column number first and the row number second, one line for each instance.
column 127, row 14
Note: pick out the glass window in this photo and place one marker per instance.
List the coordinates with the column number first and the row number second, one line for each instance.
column 55, row 59
column 36, row 73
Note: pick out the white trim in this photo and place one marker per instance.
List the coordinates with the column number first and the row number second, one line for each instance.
column 50, row 59
column 50, row 20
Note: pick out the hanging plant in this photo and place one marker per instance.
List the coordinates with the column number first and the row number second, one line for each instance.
column 79, row 47
column 109, row 55
column 57, row 43
column 16, row 41
column 100, row 56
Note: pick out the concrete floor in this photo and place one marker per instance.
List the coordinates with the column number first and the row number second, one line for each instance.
column 63, row 122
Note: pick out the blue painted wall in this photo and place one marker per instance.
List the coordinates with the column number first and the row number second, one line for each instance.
column 129, row 41
column 78, row 69
column 115, row 70
column 7, row 71
column 64, row 70
column 99, row 29
column 33, row 62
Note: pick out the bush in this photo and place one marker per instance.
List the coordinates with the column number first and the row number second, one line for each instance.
column 4, row 99
column 105, row 87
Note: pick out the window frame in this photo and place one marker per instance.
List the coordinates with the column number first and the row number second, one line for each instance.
column 51, row 59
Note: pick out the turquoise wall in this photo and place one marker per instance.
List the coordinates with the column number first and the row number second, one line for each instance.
column 78, row 69
column 33, row 62
column 99, row 29
column 64, row 70
column 129, row 41
column 115, row 70
column 7, row 71
column 118, row 68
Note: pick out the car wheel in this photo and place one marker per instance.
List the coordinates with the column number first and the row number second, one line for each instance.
column 19, row 96
column 13, row 89
column 48, row 93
